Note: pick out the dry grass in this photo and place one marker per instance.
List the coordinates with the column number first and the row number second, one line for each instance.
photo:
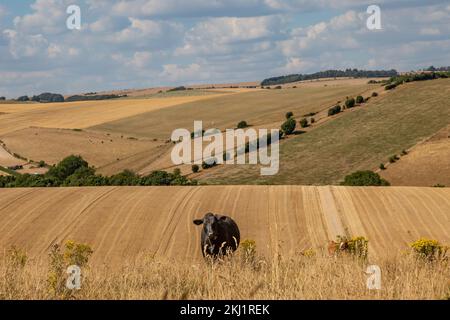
column 303, row 277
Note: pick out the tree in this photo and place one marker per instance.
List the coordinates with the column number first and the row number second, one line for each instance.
column 23, row 98
column 289, row 126
column 289, row 115
column 359, row 99
column 242, row 125
column 350, row 103
column 374, row 94
column 195, row 168
column 67, row 167
column 304, row 123
column 334, row 110
column 364, row 178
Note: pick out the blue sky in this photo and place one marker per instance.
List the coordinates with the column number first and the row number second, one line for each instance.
column 147, row 43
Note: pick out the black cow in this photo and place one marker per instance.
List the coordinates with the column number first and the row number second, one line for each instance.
column 220, row 235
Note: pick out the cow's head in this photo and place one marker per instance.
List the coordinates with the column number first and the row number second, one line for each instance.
column 210, row 224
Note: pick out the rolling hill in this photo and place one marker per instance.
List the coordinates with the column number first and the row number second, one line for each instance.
column 358, row 139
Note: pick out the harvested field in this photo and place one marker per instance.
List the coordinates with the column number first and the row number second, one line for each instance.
column 120, row 223
column 257, row 107
column 99, row 149
column 426, row 165
column 73, row 115
column 8, row 160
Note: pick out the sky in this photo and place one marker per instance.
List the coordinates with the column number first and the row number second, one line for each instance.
column 152, row 43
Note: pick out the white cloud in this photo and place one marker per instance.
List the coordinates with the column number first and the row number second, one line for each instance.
column 48, row 17
column 22, row 45
column 430, row 31
column 175, row 73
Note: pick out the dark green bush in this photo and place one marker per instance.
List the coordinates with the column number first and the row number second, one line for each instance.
column 304, row 123
column 334, row 110
column 195, row 168
column 359, row 99
column 289, row 126
column 390, row 86
column 242, row 125
column 364, row 178
column 350, row 103
column 73, row 171
column 289, row 115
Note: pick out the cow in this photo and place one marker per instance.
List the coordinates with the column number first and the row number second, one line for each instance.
column 220, row 235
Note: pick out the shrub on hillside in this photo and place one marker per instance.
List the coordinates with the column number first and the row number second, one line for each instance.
column 390, row 86
column 382, row 166
column 289, row 115
column 394, row 159
column 242, row 125
column 304, row 123
column 350, row 103
column 313, row 120
column 374, row 94
column 359, row 99
column 364, row 178
column 195, row 168
column 289, row 126
column 334, row 110
column 209, row 164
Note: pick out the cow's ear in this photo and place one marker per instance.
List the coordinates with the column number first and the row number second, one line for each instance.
column 198, row 222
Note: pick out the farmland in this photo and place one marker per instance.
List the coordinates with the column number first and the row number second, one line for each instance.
column 258, row 107
column 74, row 115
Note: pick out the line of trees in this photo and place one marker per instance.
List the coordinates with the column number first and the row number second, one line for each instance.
column 399, row 80
column 74, row 171
column 48, row 97
column 353, row 73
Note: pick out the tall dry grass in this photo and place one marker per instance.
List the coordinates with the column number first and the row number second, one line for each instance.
column 309, row 276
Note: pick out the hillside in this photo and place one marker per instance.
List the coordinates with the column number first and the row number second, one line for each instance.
column 120, row 223
column 358, row 139
column 259, row 108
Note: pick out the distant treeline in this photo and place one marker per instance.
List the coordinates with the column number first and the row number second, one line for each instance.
column 93, row 97
column 48, row 97
column 437, row 69
column 74, row 171
column 353, row 73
